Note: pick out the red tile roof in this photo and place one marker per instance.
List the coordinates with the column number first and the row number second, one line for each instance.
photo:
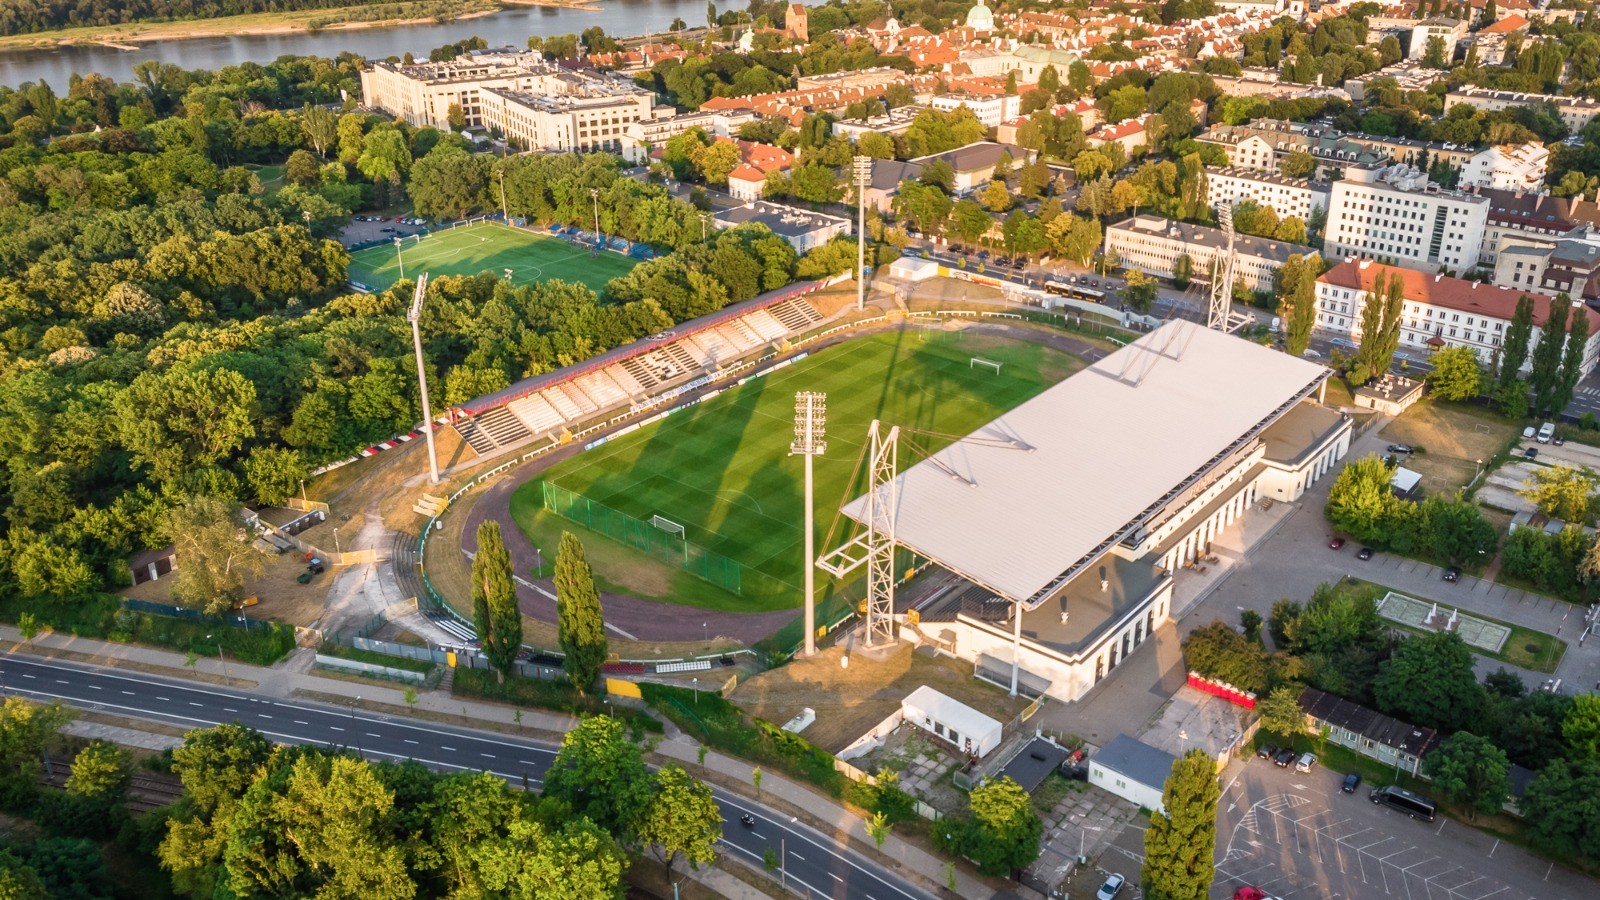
column 1507, row 25
column 1449, row 293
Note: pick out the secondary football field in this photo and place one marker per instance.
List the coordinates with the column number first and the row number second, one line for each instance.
column 722, row 469
column 489, row 248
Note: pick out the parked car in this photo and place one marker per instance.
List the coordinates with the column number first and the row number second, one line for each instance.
column 1337, row 543
column 1558, row 440
column 1110, row 888
column 1267, row 751
column 1365, row 553
column 1305, row 762
column 1284, row 758
column 1531, row 453
column 1351, row 782
column 1546, row 432
column 1399, row 448
column 1453, row 573
column 1528, row 433
column 1250, row 892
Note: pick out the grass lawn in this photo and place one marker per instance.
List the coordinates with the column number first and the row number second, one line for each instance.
column 271, row 176
column 722, row 469
column 1525, row 648
column 1452, row 438
column 488, row 248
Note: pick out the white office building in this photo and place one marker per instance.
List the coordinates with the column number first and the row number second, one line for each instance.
column 1154, row 245
column 1285, row 196
column 1507, row 167
column 1576, row 112
column 1395, row 215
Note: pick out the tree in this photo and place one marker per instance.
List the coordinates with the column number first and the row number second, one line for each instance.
column 1297, row 301
column 184, row 418
column 1572, row 360
column 1433, row 57
column 682, row 819
column 213, row 557
column 1429, row 680
column 321, row 127
column 1003, row 835
column 600, row 774
column 1456, row 375
column 1280, row 711
column 1470, row 771
column 273, row 473
column 715, row 161
column 1298, row 164
column 1580, row 730
column 494, row 601
column 924, row 207
column 1218, row 651
column 996, row 198
column 1361, row 503
column 1547, row 354
column 26, row 729
column 579, row 619
column 18, row 881
column 1381, row 314
column 969, row 221
column 385, row 156
column 1183, row 271
column 456, row 117
column 1558, row 807
column 1139, row 291
column 1561, row 492
column 100, row 771
column 875, row 145
column 1182, row 837
column 1518, row 334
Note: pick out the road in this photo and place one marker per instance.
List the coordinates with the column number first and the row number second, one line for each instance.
column 812, row 861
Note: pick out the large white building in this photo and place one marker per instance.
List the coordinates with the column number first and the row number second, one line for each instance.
column 1395, row 215
column 991, row 111
column 640, row 137
column 1069, row 515
column 1438, row 311
column 1507, row 167
column 590, row 115
column 1448, row 31
column 1576, row 112
column 1154, row 245
column 1285, row 196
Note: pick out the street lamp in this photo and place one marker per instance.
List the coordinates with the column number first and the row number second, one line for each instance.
column 595, row 193
column 399, row 257
column 336, row 542
column 414, row 316
column 223, row 659
column 863, row 177
column 696, row 682
column 505, row 210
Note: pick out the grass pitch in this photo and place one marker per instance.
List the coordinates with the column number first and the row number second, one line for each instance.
column 722, row 469
column 489, row 248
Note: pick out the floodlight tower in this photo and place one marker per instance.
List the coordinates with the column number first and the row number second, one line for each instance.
column 414, row 316
column 810, row 431
column 882, row 505
column 399, row 258
column 1222, row 275
column 863, row 178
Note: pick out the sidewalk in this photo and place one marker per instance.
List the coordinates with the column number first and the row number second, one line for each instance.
column 293, row 675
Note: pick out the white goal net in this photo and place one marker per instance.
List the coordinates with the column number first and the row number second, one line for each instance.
column 667, row 525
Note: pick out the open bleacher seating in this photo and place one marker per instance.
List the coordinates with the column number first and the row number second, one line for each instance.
column 576, row 394
column 709, row 348
column 765, row 326
column 642, row 373
column 795, row 314
column 602, row 391
column 536, row 413
column 563, row 405
column 743, row 335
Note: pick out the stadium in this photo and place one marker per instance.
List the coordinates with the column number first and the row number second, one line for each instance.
column 1065, row 519
column 487, row 247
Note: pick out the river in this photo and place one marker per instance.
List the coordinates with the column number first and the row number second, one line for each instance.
column 511, row 26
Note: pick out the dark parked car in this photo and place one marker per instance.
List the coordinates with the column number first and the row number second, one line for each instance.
column 1351, row 782
column 1267, row 751
column 1337, row 543
column 1364, row 553
column 1452, row 574
column 1399, row 448
column 1284, row 759
column 1531, row 452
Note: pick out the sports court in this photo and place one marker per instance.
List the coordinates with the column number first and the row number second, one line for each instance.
column 1486, row 636
column 487, row 248
column 722, row 469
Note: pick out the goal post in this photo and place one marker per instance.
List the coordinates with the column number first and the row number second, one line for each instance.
column 990, row 364
column 667, row 525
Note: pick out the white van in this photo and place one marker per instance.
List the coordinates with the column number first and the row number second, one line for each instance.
column 1546, row 432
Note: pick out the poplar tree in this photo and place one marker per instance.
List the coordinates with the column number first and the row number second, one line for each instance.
column 1514, row 352
column 579, row 620
column 494, row 601
column 1571, row 360
column 1181, row 841
column 1547, row 353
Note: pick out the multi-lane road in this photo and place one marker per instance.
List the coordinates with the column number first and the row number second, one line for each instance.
column 810, row 861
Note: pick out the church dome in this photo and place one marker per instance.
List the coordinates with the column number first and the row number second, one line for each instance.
column 980, row 18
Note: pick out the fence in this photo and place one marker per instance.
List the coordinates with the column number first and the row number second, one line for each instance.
column 640, row 535
column 194, row 615
column 855, row 774
column 361, row 668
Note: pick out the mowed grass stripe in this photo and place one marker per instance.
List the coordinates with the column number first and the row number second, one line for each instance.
column 489, row 248
column 722, row 468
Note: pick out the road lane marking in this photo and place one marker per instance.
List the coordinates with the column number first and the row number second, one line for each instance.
column 487, row 755
column 410, row 741
column 301, row 722
column 229, row 709
column 443, row 747
column 370, row 734
column 95, row 687
column 192, row 703
column 128, row 693
column 335, row 728
column 836, row 878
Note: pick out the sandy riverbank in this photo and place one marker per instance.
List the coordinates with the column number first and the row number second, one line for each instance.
column 125, row 37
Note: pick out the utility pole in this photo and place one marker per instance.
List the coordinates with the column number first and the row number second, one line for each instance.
column 810, row 430
column 415, row 317
column 863, row 178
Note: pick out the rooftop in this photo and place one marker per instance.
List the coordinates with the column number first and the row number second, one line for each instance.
column 1266, row 177
column 785, row 221
column 1213, row 238
column 1368, row 723
column 1450, row 293
column 976, row 156
column 1136, row 761
column 1023, row 506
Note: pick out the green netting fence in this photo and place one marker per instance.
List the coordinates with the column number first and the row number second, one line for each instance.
column 662, row 546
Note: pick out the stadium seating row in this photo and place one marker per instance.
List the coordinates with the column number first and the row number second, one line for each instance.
column 546, row 412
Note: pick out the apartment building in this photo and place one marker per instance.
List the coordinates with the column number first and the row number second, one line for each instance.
column 1264, row 144
column 1450, row 31
column 1283, row 195
column 1395, row 215
column 803, row 229
column 1576, row 112
column 1507, row 167
column 1525, row 214
column 1568, row 264
column 591, row 115
column 1153, row 245
column 423, row 93
column 1438, row 311
column 990, row 110
column 645, row 135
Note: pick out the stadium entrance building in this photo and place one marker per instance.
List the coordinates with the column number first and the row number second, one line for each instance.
column 1068, row 516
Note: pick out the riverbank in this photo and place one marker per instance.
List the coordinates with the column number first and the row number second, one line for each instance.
column 348, row 18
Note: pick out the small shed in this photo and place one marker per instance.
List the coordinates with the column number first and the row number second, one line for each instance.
column 1133, row 770
column 153, row 565
column 910, row 268
column 1405, row 482
column 952, row 721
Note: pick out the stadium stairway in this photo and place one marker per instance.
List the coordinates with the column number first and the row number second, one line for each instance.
column 476, row 438
column 795, row 314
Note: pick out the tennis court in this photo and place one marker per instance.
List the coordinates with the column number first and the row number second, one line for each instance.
column 487, row 248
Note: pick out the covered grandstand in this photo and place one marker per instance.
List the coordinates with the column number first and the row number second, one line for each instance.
column 636, row 375
column 1066, row 517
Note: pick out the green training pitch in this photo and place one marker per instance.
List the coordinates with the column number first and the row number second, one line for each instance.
column 722, row 469
column 489, row 248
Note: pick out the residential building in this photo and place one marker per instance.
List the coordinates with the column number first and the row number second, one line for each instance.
column 1408, row 74
column 887, row 176
column 1286, row 196
column 990, row 110
column 895, row 121
column 1392, row 742
column 1132, row 770
column 1438, row 311
column 801, row 228
column 1130, row 134
column 1490, row 41
column 1519, row 214
column 1264, row 144
column 827, row 93
column 1507, row 167
column 1569, row 264
column 570, row 112
column 1448, row 31
column 974, row 163
column 1394, row 214
column 756, row 162
column 1576, row 112
column 1154, row 245
column 645, row 135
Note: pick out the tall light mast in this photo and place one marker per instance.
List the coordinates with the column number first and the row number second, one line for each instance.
column 863, row 178
column 414, row 316
column 1222, row 275
column 810, row 431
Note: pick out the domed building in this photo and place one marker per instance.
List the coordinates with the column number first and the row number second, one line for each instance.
column 980, row 18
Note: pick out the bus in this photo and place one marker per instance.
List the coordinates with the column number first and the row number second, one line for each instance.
column 1068, row 289
column 1414, row 805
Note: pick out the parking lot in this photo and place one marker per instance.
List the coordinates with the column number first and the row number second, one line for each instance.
column 1296, row 836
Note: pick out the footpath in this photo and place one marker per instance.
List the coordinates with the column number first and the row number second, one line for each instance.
column 294, row 679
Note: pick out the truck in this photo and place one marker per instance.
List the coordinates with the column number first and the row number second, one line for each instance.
column 1546, row 432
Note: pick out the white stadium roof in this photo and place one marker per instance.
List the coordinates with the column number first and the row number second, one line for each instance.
column 1028, row 501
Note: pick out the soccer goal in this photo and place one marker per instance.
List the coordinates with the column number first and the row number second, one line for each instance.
column 667, row 525
column 986, row 363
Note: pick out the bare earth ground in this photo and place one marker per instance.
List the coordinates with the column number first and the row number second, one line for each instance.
column 1454, row 439
column 282, row 598
column 849, row 701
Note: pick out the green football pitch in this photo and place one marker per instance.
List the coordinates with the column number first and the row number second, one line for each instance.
column 722, row 469
column 489, row 248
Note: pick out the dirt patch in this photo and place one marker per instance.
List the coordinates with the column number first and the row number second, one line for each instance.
column 283, row 599
column 849, row 701
column 1454, row 439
